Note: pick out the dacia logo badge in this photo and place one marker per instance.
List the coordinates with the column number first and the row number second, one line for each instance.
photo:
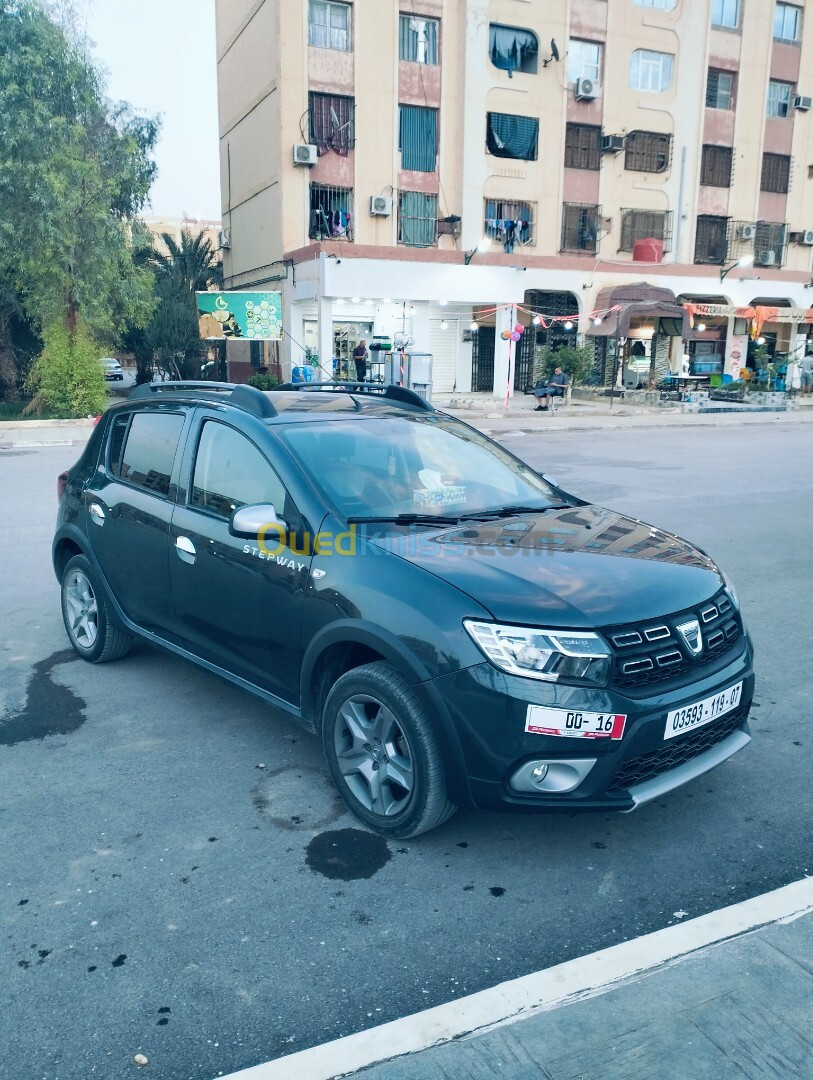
column 690, row 631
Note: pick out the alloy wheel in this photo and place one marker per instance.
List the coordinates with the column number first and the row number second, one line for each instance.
column 82, row 614
column 373, row 755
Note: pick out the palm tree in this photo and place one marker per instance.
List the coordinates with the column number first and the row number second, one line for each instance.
column 193, row 264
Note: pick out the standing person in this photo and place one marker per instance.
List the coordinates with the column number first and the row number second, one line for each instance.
column 807, row 373
column 554, row 387
column 360, row 357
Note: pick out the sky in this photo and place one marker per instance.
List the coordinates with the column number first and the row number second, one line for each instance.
column 159, row 56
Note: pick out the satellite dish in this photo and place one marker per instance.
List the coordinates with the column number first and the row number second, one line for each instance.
column 554, row 53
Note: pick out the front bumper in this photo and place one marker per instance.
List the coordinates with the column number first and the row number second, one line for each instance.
column 488, row 711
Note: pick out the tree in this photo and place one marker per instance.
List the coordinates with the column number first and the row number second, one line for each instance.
column 193, row 264
column 173, row 335
column 74, row 172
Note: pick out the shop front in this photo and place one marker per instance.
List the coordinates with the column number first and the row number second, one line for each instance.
column 639, row 337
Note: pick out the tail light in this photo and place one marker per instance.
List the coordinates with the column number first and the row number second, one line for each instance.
column 61, row 482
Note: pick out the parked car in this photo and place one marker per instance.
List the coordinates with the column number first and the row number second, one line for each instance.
column 457, row 628
column 112, row 369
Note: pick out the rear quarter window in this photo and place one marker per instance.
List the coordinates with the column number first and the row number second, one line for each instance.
column 149, row 450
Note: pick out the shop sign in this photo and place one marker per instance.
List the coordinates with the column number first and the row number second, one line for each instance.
column 253, row 316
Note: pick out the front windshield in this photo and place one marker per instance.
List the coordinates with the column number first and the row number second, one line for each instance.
column 430, row 466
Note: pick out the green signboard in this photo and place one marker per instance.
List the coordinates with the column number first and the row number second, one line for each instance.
column 253, row 316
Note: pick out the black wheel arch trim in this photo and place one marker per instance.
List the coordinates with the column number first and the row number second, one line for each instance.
column 393, row 651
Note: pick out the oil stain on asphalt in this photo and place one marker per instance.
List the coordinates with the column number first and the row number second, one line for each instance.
column 50, row 709
column 347, row 854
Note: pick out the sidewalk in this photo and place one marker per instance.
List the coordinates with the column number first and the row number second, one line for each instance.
column 729, row 994
column 488, row 416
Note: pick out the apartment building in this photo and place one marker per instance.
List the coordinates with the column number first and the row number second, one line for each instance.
column 449, row 169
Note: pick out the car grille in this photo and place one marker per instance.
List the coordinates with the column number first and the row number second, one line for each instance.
column 676, row 751
column 655, row 651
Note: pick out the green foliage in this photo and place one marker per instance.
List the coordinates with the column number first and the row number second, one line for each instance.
column 264, row 381
column 74, row 172
column 173, row 335
column 575, row 360
column 67, row 377
column 192, row 265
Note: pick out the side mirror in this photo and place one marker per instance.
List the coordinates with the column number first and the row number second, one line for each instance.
column 249, row 521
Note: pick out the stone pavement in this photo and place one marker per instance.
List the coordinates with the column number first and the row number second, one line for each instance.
column 743, row 1008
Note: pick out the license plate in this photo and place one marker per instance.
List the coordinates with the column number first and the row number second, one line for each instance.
column 574, row 724
column 702, row 712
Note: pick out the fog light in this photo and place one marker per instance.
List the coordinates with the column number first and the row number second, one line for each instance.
column 555, row 777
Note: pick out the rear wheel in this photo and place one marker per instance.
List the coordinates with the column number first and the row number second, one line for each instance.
column 383, row 752
column 85, row 613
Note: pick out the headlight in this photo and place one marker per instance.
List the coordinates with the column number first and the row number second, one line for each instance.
column 732, row 592
column 552, row 655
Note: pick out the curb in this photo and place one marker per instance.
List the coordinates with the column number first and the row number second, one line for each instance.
column 516, row 1000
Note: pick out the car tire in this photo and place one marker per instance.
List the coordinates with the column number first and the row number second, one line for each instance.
column 383, row 752
column 86, row 614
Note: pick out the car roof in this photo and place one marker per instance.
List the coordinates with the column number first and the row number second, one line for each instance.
column 290, row 403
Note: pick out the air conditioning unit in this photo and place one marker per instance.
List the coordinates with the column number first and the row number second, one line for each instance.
column 380, row 205
column 613, row 144
column 304, row 154
column 766, row 258
column 806, row 237
column 224, row 239
column 585, row 90
column 803, row 103
column 746, row 232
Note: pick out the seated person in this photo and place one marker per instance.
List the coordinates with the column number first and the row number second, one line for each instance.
column 555, row 387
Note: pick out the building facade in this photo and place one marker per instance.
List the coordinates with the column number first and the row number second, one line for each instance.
column 448, row 169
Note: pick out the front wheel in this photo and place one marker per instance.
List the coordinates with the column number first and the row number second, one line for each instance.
column 383, row 752
column 94, row 636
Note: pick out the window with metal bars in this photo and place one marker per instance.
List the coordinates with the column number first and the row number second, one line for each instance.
column 648, row 151
column 775, row 173
column 645, row 225
column 332, row 122
column 719, row 89
column 711, row 239
column 417, row 219
column 770, row 243
column 715, row 166
column 331, row 213
column 583, row 146
column 418, row 138
column 418, row 40
column 580, row 224
column 510, row 222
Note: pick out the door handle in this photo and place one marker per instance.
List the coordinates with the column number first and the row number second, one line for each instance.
column 96, row 513
column 185, row 549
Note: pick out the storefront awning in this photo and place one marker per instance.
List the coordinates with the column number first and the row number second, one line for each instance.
column 625, row 304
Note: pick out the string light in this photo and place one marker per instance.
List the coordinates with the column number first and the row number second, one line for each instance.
column 474, row 327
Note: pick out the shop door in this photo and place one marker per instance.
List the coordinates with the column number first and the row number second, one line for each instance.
column 443, row 347
column 482, row 359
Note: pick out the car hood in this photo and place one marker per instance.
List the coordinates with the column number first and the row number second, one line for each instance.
column 580, row 567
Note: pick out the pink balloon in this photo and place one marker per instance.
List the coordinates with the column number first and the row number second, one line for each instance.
column 515, row 336
column 518, row 328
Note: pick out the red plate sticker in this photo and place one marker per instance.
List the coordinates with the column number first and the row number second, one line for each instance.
column 574, row 724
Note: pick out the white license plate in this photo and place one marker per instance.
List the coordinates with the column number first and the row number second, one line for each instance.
column 573, row 724
column 702, row 712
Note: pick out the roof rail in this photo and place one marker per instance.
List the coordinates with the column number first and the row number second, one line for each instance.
column 241, row 395
column 389, row 390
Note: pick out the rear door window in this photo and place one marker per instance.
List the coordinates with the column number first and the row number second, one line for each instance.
column 149, row 452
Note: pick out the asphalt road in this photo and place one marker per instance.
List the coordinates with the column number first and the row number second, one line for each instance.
column 179, row 880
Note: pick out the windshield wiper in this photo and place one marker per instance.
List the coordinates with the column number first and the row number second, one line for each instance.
column 510, row 511
column 404, row 519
